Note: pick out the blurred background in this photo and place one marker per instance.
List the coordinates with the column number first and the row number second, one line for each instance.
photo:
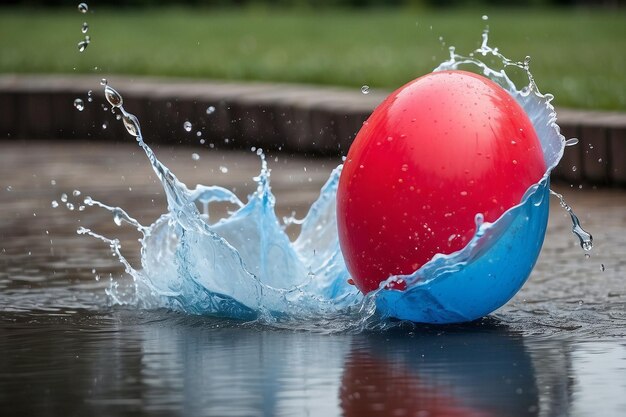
column 577, row 48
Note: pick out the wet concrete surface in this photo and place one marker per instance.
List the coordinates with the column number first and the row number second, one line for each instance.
column 557, row 349
column 36, row 173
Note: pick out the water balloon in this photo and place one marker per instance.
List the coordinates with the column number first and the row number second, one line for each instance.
column 439, row 154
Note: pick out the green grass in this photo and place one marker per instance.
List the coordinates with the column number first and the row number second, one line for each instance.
column 578, row 55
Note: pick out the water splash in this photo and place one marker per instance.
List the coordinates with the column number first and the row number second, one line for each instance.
column 585, row 238
column 244, row 266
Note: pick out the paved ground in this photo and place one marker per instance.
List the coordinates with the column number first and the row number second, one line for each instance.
column 566, row 291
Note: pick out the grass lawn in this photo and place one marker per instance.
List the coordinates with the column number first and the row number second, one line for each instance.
column 578, row 55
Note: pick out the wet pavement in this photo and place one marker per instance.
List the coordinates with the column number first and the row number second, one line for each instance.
column 557, row 349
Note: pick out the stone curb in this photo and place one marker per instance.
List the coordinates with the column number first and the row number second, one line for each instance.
column 301, row 119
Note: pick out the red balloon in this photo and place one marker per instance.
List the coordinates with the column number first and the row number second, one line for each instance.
column 436, row 152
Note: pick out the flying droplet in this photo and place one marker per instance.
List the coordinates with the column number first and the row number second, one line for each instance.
column 103, row 82
column 223, row 169
column 82, row 7
column 78, row 103
column 571, row 142
column 82, row 45
column 187, row 126
column 574, row 168
column 210, row 110
column 113, row 97
column 365, row 89
column 485, row 17
column 54, row 204
column 84, row 28
column 195, row 156
column 585, row 238
column 76, row 193
column 602, row 268
column 131, row 124
column 117, row 218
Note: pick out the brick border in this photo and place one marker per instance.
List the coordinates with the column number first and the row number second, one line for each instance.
column 309, row 120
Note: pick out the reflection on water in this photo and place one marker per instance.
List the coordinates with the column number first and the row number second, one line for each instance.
column 558, row 349
column 471, row 371
column 124, row 362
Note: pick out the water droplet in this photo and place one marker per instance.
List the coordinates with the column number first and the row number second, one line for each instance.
column 54, row 204
column 187, row 126
column 210, row 110
column 85, row 27
column 223, row 169
column 118, row 117
column 600, row 160
column 53, row 182
column 9, row 188
column 485, row 17
column 405, row 167
column 89, row 94
column 585, row 238
column 82, row 7
column 82, row 45
column 195, row 156
column 103, row 82
column 365, row 89
column 202, row 141
column 131, row 124
column 198, row 133
column 571, row 142
column 69, row 206
column 113, row 97
column 78, row 103
column 76, row 193
column 350, row 281
column 64, row 198
column 574, row 168
column 602, row 267
column 117, row 218
column 104, row 126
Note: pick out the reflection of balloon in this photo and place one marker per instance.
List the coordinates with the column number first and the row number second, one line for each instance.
column 470, row 372
column 435, row 153
column 368, row 391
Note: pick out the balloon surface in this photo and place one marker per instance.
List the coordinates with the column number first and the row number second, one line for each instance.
column 436, row 153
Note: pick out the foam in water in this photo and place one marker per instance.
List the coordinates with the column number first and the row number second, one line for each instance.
column 245, row 267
